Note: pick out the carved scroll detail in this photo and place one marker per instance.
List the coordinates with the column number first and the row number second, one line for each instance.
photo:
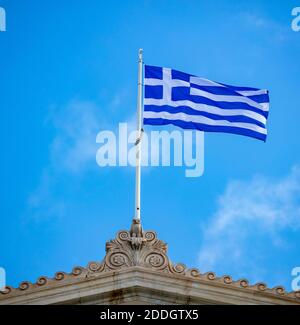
column 142, row 248
column 136, row 248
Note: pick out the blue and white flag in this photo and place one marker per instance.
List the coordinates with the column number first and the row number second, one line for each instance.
column 190, row 102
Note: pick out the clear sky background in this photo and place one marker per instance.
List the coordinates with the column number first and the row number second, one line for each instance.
column 68, row 69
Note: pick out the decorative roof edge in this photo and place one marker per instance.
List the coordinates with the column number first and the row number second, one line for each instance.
column 139, row 248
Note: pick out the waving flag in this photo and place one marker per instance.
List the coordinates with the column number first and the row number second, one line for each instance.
column 190, row 102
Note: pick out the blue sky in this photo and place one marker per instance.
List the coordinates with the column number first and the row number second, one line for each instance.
column 69, row 70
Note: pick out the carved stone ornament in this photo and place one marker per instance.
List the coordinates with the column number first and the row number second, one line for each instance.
column 142, row 248
column 136, row 248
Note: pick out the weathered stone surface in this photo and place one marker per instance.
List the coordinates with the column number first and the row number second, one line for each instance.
column 136, row 270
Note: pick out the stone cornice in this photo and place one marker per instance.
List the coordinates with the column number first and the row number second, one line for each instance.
column 136, row 249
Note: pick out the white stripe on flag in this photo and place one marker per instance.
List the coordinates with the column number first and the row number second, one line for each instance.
column 252, row 92
column 225, row 98
column 204, row 82
column 203, row 120
column 207, row 108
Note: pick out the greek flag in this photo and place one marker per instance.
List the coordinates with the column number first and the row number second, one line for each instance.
column 190, row 102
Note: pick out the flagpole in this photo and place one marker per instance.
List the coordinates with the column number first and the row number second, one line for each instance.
column 138, row 140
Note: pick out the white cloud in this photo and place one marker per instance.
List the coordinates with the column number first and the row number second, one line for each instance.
column 276, row 31
column 255, row 20
column 71, row 152
column 250, row 223
column 77, row 124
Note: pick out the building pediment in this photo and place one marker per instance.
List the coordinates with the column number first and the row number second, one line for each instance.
column 137, row 269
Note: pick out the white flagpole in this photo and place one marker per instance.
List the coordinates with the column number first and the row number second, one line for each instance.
column 138, row 140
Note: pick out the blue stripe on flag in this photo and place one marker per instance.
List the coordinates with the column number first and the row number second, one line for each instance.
column 181, row 75
column 205, row 127
column 182, row 93
column 190, row 111
column 264, row 98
